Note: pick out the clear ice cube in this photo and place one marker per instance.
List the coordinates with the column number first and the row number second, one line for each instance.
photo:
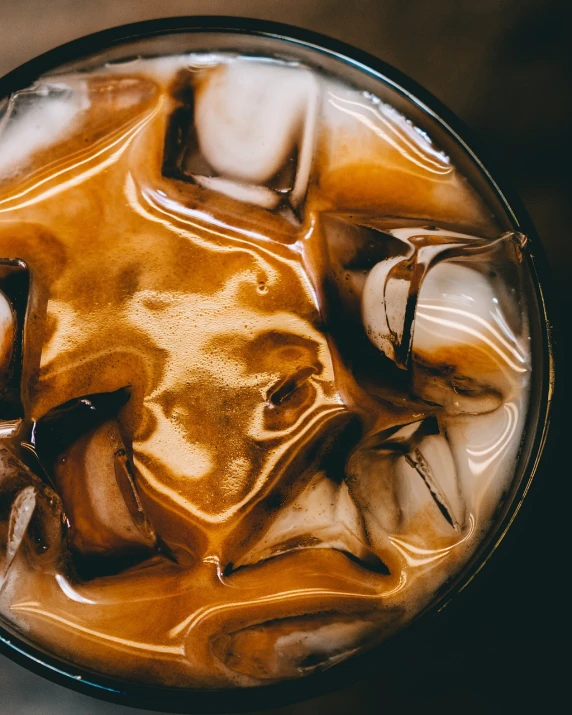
column 81, row 446
column 21, row 513
column 56, row 119
column 442, row 306
column 32, row 522
column 389, row 479
column 95, row 481
column 443, row 313
column 396, row 473
column 34, row 116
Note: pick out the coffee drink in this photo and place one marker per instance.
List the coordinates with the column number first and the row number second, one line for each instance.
column 264, row 368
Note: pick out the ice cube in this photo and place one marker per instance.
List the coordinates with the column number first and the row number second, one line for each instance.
column 63, row 425
column 36, row 117
column 246, row 129
column 14, row 290
column 442, row 312
column 31, row 518
column 61, row 118
column 373, row 158
column 21, row 513
column 395, row 474
column 297, row 646
column 81, row 447
column 433, row 461
column 96, row 483
column 485, row 448
column 353, row 245
column 323, row 516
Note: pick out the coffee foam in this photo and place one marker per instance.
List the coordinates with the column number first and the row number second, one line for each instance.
column 263, row 538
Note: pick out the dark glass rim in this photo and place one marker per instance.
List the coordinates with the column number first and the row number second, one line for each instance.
column 234, row 700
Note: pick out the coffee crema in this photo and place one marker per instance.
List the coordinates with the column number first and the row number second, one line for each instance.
column 264, row 369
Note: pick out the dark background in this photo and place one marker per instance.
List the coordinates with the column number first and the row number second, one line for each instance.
column 505, row 68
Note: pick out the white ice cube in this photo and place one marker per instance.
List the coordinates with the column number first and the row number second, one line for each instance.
column 250, row 117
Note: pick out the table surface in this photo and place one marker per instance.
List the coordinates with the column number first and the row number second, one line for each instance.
column 503, row 66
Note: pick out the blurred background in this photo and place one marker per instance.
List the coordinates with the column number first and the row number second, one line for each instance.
column 504, row 67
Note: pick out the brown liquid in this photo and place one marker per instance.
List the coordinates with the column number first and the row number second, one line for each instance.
column 239, row 382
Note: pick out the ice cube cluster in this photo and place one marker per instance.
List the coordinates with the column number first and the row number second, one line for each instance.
column 264, row 368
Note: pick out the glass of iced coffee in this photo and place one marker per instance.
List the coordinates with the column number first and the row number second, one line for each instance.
column 275, row 367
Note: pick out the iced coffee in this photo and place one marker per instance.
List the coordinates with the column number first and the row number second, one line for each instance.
column 264, row 368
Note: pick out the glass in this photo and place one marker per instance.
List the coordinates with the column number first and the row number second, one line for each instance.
column 174, row 36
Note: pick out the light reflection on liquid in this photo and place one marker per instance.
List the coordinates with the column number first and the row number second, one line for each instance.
column 122, row 142
column 124, row 644
column 479, row 335
column 416, row 556
column 482, row 457
column 509, row 344
column 396, row 138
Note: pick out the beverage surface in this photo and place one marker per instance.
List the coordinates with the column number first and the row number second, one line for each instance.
column 264, row 369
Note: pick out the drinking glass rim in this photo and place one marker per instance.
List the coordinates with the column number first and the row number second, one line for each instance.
column 160, row 698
